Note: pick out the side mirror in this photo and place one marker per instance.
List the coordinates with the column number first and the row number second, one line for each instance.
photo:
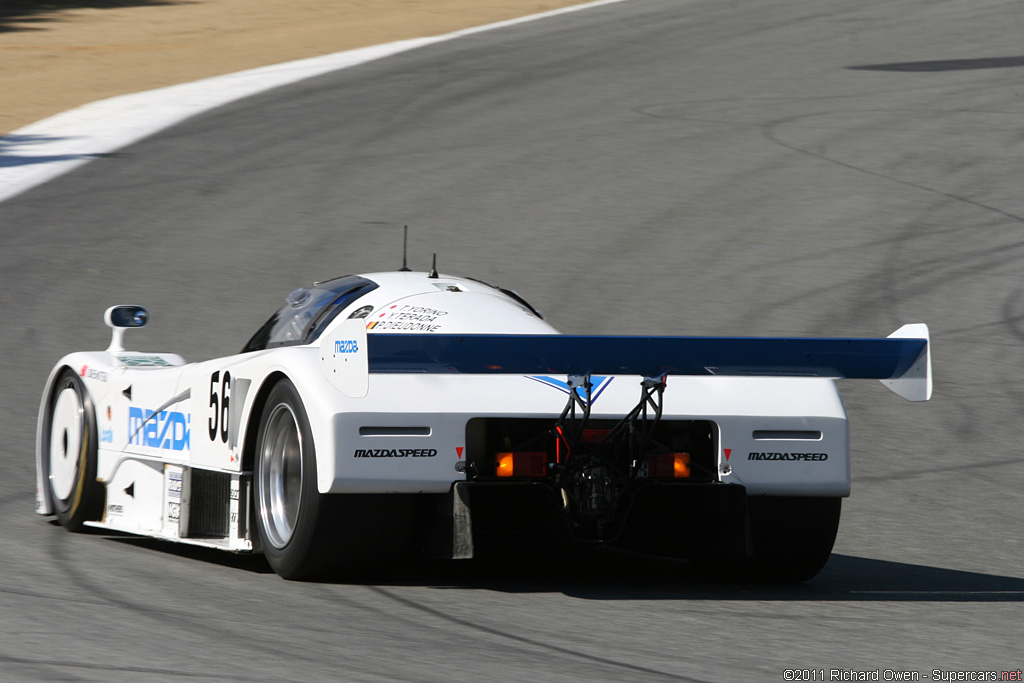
column 120, row 318
column 126, row 316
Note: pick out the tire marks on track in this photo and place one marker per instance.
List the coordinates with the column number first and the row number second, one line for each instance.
column 770, row 132
column 531, row 642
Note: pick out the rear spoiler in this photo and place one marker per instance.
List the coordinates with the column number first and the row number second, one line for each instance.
column 902, row 361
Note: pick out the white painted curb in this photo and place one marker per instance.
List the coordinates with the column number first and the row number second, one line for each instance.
column 46, row 149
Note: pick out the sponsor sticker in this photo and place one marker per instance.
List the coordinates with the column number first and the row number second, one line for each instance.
column 597, row 385
column 92, row 373
column 395, row 453
column 168, row 430
column 174, row 485
column 173, row 495
column 346, row 346
column 144, row 361
column 807, row 457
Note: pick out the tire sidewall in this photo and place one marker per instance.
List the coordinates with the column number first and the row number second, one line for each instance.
column 300, row 556
column 85, row 502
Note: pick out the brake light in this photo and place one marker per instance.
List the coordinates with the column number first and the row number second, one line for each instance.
column 681, row 465
column 522, row 464
column 666, row 466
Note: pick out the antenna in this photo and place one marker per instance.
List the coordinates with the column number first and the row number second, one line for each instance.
column 433, row 269
column 405, row 251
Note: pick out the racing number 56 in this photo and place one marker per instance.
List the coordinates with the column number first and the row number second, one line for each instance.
column 219, row 403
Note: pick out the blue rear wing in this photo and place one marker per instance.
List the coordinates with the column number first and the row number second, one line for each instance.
column 902, row 361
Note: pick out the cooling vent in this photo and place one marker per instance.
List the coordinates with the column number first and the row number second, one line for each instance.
column 209, row 504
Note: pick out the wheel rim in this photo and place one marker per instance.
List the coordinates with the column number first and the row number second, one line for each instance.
column 65, row 443
column 280, row 475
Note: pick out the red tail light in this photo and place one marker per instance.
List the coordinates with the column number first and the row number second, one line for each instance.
column 595, row 435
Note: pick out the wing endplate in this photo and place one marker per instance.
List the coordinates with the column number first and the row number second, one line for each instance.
column 915, row 384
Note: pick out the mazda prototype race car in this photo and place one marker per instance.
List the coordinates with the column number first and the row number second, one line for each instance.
column 417, row 414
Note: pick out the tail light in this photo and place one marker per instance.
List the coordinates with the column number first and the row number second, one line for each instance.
column 665, row 466
column 522, row 464
column 595, row 435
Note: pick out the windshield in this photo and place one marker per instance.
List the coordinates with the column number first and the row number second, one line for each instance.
column 308, row 311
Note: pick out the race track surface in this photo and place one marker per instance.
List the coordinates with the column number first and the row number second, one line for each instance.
column 662, row 167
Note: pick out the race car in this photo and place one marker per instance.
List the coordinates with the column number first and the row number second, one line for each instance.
column 406, row 414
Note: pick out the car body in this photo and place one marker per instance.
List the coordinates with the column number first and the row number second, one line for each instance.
column 418, row 413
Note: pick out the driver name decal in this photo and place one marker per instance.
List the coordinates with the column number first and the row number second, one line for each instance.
column 408, row 318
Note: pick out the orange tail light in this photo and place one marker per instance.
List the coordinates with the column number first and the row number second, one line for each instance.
column 522, row 464
column 668, row 465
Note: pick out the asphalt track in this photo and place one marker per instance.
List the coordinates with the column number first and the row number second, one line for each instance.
column 706, row 167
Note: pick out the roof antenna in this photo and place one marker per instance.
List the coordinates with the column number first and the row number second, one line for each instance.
column 433, row 269
column 405, row 250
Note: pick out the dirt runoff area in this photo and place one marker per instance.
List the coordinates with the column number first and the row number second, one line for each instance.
column 58, row 54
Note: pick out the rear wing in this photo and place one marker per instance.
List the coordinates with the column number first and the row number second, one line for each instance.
column 902, row 361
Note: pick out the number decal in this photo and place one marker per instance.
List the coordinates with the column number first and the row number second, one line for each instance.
column 215, row 404
column 220, row 402
column 225, row 390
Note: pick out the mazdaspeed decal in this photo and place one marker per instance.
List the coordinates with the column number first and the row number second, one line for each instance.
column 814, row 457
column 598, row 385
column 395, row 453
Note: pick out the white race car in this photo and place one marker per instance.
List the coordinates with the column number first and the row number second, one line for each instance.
column 416, row 413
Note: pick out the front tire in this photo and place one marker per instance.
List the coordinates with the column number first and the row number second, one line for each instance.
column 69, row 452
column 289, row 508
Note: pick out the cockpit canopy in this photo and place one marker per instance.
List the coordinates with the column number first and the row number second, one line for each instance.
column 308, row 311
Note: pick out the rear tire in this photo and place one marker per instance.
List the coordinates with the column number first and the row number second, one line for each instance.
column 290, row 513
column 792, row 537
column 790, row 540
column 69, row 453
column 305, row 534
